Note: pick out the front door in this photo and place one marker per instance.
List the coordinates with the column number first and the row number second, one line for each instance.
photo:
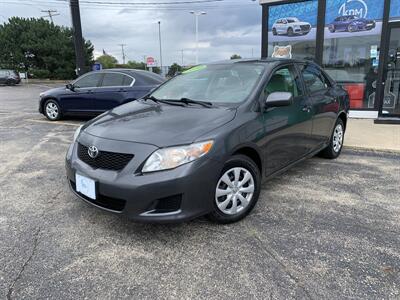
column 81, row 98
column 288, row 128
column 390, row 107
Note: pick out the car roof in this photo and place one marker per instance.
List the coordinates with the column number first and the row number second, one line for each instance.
column 269, row 60
column 142, row 77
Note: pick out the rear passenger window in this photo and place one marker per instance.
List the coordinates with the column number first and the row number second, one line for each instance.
column 113, row 79
column 284, row 80
column 127, row 81
column 313, row 79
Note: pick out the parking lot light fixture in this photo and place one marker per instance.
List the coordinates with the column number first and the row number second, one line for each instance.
column 197, row 14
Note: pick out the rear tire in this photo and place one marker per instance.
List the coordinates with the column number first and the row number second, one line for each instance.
column 52, row 110
column 336, row 142
column 237, row 190
column 274, row 32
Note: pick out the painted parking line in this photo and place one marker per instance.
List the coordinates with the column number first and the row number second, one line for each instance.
column 55, row 122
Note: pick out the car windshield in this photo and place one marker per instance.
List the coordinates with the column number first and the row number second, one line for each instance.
column 225, row 83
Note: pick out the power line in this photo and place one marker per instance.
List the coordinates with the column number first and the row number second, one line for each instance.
column 51, row 14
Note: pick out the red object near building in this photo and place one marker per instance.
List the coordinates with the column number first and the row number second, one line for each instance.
column 356, row 94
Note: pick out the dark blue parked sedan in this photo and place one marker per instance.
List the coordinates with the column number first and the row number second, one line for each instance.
column 96, row 92
column 351, row 24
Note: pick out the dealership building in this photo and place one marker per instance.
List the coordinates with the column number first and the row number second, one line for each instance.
column 356, row 41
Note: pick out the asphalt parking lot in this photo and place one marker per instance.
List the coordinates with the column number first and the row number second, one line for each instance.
column 325, row 229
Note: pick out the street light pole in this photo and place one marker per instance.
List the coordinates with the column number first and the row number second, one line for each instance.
column 196, row 15
column 159, row 37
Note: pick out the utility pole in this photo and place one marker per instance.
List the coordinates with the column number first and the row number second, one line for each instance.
column 159, row 37
column 51, row 13
column 123, row 52
column 78, row 39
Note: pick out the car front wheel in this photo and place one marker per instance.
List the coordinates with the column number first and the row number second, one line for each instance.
column 237, row 190
column 336, row 142
column 52, row 110
column 290, row 32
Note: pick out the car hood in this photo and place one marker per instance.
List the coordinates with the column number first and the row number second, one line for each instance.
column 301, row 23
column 160, row 125
column 54, row 91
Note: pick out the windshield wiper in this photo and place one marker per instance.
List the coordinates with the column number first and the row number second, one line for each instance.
column 166, row 101
column 151, row 98
column 188, row 101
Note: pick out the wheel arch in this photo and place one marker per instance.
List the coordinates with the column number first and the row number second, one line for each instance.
column 251, row 153
column 343, row 117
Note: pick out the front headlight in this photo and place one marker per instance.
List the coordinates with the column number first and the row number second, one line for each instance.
column 76, row 134
column 170, row 158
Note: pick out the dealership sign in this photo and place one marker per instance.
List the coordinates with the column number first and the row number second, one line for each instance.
column 150, row 61
column 356, row 8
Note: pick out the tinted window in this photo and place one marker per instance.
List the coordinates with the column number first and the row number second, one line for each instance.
column 3, row 73
column 313, row 79
column 284, row 80
column 113, row 79
column 88, row 81
column 127, row 81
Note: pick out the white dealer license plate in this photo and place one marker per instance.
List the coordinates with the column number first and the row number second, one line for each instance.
column 85, row 186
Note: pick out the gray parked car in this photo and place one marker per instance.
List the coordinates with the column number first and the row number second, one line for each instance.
column 202, row 143
column 9, row 77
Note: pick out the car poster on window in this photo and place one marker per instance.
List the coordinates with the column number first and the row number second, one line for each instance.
column 395, row 10
column 349, row 18
column 293, row 22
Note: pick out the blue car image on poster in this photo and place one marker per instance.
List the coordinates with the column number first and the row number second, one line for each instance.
column 349, row 18
column 293, row 21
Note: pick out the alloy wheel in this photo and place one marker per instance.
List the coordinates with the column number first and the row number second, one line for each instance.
column 234, row 191
column 337, row 138
column 52, row 110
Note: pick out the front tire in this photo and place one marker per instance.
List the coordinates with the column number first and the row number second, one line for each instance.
column 52, row 110
column 290, row 32
column 336, row 142
column 237, row 190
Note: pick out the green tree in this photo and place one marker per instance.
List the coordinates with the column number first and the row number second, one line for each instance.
column 107, row 61
column 40, row 48
column 173, row 69
column 236, row 56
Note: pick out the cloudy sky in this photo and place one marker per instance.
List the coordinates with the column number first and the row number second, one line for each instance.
column 229, row 27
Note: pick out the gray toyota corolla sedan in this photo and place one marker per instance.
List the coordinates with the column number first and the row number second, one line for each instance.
column 203, row 142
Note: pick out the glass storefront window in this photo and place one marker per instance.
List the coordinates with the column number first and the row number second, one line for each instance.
column 292, row 30
column 391, row 99
column 395, row 10
column 351, row 47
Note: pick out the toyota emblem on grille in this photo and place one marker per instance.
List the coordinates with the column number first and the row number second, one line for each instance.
column 93, row 152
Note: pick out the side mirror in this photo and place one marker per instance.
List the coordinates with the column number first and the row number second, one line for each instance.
column 70, row 86
column 278, row 99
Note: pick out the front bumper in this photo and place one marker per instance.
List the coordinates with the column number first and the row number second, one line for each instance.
column 174, row 195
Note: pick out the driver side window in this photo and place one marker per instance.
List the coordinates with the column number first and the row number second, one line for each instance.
column 88, row 81
column 284, row 80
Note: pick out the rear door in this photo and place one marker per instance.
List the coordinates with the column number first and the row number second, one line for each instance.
column 81, row 98
column 324, row 104
column 287, row 129
column 113, row 91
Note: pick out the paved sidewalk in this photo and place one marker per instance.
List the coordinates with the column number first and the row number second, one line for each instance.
column 363, row 133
